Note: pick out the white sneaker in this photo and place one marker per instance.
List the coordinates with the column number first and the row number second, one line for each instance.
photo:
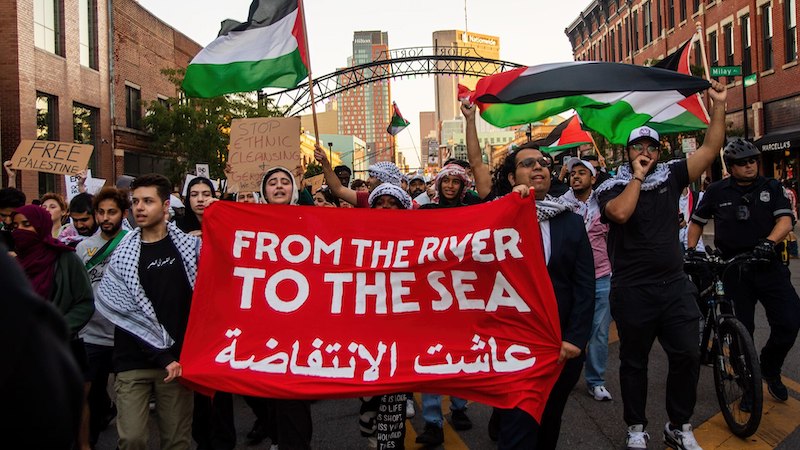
column 410, row 411
column 600, row 393
column 637, row 438
column 682, row 439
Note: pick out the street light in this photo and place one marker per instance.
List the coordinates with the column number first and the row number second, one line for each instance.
column 330, row 151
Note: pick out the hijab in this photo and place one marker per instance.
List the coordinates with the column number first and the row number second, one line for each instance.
column 38, row 251
column 295, row 197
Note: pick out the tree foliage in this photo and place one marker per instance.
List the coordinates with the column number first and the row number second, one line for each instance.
column 191, row 131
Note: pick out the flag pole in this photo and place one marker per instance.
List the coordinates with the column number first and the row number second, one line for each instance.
column 708, row 77
column 310, row 77
column 416, row 152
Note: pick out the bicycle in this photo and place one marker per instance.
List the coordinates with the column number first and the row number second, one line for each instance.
column 726, row 341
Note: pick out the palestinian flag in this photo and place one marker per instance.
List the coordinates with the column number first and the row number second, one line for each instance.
column 611, row 98
column 268, row 50
column 688, row 114
column 398, row 123
column 567, row 134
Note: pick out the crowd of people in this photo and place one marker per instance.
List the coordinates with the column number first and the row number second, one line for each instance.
column 102, row 263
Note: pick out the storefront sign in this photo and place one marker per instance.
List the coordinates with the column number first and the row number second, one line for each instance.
column 776, row 146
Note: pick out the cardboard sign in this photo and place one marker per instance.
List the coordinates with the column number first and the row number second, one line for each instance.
column 315, row 182
column 63, row 158
column 93, row 185
column 259, row 144
column 202, row 170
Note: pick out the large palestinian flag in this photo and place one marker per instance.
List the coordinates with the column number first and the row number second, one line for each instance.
column 688, row 114
column 268, row 50
column 611, row 98
column 567, row 134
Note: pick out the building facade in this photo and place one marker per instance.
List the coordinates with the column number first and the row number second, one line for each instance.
column 759, row 35
column 366, row 111
column 75, row 71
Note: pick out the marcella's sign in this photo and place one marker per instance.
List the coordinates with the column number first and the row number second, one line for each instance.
column 776, row 146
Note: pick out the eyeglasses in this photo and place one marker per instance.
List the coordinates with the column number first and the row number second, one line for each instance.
column 745, row 162
column 640, row 148
column 530, row 162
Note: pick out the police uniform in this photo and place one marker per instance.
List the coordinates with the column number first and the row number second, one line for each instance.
column 743, row 215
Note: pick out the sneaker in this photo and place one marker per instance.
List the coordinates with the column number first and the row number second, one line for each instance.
column 460, row 420
column 637, row 438
column 681, row 439
column 600, row 393
column 433, row 435
column 777, row 389
column 410, row 411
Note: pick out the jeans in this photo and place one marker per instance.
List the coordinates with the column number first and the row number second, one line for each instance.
column 432, row 408
column 597, row 348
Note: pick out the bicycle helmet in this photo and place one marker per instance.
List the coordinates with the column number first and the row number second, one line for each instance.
column 739, row 148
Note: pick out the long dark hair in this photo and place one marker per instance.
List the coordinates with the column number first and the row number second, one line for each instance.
column 500, row 184
column 189, row 221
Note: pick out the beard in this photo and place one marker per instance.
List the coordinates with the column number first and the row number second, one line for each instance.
column 115, row 227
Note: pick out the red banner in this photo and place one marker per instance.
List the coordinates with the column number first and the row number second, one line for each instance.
column 306, row 302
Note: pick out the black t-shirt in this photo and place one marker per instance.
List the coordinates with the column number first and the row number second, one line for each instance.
column 742, row 214
column 646, row 249
column 163, row 278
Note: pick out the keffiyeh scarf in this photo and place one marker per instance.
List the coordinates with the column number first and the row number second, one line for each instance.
column 549, row 207
column 390, row 189
column 385, row 171
column 121, row 297
column 588, row 210
column 651, row 182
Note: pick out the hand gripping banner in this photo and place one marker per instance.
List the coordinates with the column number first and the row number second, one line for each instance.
column 310, row 303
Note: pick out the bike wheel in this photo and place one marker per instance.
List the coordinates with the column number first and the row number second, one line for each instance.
column 737, row 378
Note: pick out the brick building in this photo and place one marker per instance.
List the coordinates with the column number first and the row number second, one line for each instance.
column 59, row 81
column 759, row 35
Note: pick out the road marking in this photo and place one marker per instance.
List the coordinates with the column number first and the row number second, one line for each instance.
column 778, row 421
column 452, row 440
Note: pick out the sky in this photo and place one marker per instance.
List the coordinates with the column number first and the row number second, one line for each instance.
column 531, row 32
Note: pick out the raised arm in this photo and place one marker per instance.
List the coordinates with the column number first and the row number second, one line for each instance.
column 11, row 173
column 715, row 136
column 340, row 191
column 480, row 171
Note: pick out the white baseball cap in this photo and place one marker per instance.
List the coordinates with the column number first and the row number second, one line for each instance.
column 576, row 161
column 644, row 133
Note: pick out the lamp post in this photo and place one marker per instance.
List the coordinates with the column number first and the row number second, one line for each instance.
column 330, row 151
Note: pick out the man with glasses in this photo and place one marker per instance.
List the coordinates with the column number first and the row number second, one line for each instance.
column 651, row 296
column 752, row 213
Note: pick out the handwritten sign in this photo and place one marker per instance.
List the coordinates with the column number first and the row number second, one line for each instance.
column 315, row 182
column 202, row 170
column 259, row 144
column 93, row 185
column 64, row 158
column 391, row 421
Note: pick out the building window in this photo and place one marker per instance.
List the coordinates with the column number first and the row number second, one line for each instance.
column 647, row 23
column 628, row 35
column 619, row 43
column 766, row 24
column 696, row 5
column 47, row 25
column 84, row 129
column 635, row 25
column 683, row 10
column 698, row 55
column 133, row 107
column 747, row 63
column 88, row 33
column 727, row 44
column 659, row 21
column 612, row 46
column 671, row 14
column 790, row 19
column 713, row 55
column 46, row 129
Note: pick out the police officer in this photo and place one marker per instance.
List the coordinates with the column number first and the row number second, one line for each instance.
column 751, row 213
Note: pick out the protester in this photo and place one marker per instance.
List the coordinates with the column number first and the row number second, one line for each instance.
column 451, row 185
column 324, row 197
column 83, row 224
column 57, row 207
column 380, row 172
column 11, row 174
column 110, row 207
column 58, row 276
column 751, row 213
column 598, row 163
column 568, row 256
column 581, row 200
column 146, row 292
column 416, row 185
column 359, row 186
column 10, row 199
column 686, row 205
column 247, row 197
column 651, row 296
column 40, row 384
column 200, row 193
column 343, row 173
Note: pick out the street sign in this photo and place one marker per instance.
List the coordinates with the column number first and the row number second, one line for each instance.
column 689, row 145
column 750, row 80
column 726, row 71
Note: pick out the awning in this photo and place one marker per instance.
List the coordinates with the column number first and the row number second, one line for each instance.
column 774, row 142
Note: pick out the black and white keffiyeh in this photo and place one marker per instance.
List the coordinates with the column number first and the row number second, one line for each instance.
column 588, row 210
column 121, row 297
column 385, row 171
column 651, row 181
column 392, row 190
column 549, row 207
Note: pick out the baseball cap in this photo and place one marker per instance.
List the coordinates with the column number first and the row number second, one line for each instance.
column 643, row 133
column 576, row 161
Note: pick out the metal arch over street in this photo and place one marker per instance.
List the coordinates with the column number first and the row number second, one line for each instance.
column 391, row 64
